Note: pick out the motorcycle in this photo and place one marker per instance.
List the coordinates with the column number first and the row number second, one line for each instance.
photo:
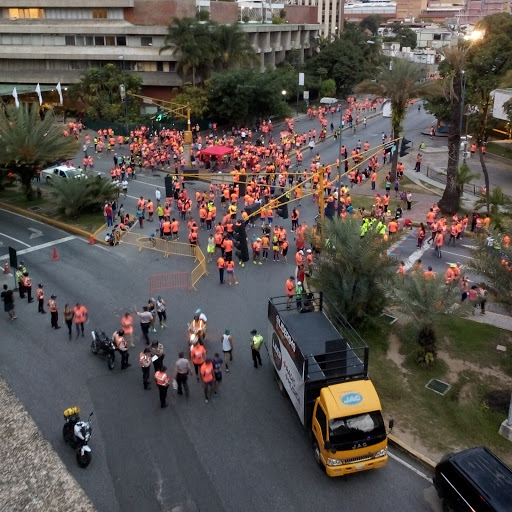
column 196, row 333
column 77, row 433
column 103, row 345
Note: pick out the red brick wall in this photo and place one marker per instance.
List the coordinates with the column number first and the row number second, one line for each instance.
column 159, row 12
column 224, row 12
column 301, row 14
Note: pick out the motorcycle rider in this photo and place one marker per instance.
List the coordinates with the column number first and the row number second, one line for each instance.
column 122, row 346
column 157, row 349
column 145, row 364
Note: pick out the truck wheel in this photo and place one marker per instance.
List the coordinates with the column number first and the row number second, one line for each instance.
column 316, row 453
column 48, row 180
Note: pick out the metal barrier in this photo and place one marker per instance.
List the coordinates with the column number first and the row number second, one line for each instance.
column 171, row 281
column 168, row 248
column 440, row 177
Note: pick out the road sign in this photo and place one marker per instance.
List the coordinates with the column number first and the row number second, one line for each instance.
column 13, row 258
column 301, row 79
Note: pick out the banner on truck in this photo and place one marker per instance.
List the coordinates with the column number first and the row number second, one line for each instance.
column 288, row 373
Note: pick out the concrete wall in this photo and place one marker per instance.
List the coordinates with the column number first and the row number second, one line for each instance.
column 301, row 14
column 159, row 12
column 224, row 12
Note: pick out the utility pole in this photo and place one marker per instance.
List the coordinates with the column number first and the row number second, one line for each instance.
column 339, row 166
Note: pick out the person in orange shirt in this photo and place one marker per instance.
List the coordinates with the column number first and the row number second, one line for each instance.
column 429, row 274
column 289, row 290
column 402, row 271
column 80, row 315
column 227, row 245
column 208, row 378
column 299, row 258
column 256, row 250
column 230, row 271
column 430, row 217
column 127, row 327
column 198, row 355
column 439, row 241
column 448, row 275
column 393, row 226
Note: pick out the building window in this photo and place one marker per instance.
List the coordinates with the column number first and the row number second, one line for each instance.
column 121, row 40
column 172, row 67
column 110, row 40
column 99, row 40
column 159, row 66
column 437, row 37
column 70, row 40
column 99, row 14
column 146, row 41
column 79, row 40
column 89, row 41
column 26, row 13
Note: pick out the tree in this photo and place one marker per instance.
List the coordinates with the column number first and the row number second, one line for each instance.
column 488, row 61
column 29, row 142
column 241, row 96
column 372, row 23
column 399, row 85
column 400, row 34
column 232, row 47
column 493, row 263
column 328, row 88
column 99, row 90
column 76, row 196
column 352, row 272
column 191, row 41
column 424, row 301
column 196, row 97
column 453, row 74
column 498, row 204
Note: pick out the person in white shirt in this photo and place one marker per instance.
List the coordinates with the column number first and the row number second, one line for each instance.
column 158, row 195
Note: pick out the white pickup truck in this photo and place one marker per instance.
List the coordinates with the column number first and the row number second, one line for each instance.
column 62, row 171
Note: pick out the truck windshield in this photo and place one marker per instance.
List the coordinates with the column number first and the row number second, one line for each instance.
column 363, row 427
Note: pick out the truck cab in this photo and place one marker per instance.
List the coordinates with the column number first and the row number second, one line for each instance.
column 349, row 434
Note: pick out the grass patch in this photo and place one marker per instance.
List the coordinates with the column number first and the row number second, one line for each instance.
column 460, row 419
column 504, row 150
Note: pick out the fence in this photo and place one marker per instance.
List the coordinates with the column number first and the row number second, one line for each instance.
column 173, row 280
column 168, row 248
column 440, row 177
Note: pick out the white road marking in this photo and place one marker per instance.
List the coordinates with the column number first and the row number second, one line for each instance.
column 456, row 254
column 469, row 246
column 41, row 246
column 408, row 466
column 23, row 217
column 416, row 255
column 15, row 239
column 36, row 233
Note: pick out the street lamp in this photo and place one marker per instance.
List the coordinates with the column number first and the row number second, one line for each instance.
column 339, row 160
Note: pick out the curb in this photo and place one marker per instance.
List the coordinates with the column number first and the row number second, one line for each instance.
column 52, row 222
column 425, row 461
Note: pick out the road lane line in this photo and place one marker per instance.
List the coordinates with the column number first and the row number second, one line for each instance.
column 408, row 466
column 457, row 254
column 15, row 239
column 415, row 256
column 41, row 246
column 23, row 217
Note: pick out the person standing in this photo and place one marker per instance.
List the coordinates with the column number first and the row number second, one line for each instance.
column 161, row 307
column 19, row 280
column 162, row 381
column 27, row 286
column 158, row 195
column 217, row 371
column 221, row 265
column 227, row 348
column 439, row 241
column 145, row 321
column 256, row 341
column 208, row 378
column 80, row 317
column 8, row 299
column 122, row 346
column 482, row 297
column 289, row 289
column 127, row 326
column 157, row 350
column 40, row 299
column 299, row 290
column 145, row 364
column 198, row 354
column 68, row 318
column 182, row 369
column 54, row 312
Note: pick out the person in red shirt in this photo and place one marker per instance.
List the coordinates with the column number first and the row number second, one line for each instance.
column 80, row 315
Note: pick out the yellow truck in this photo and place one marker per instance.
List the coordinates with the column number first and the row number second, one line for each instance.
column 322, row 365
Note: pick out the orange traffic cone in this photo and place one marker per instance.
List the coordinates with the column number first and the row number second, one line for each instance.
column 91, row 240
column 7, row 269
column 55, row 255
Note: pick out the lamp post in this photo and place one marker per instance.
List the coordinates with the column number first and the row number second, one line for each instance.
column 122, row 91
column 463, row 101
column 339, row 160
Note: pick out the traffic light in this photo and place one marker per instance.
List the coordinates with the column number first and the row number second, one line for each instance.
column 405, row 146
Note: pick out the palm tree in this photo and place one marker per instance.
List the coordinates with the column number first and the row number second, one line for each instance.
column 497, row 203
column 232, row 46
column 191, row 41
column 424, row 302
column 352, row 272
column 453, row 90
column 398, row 83
column 29, row 142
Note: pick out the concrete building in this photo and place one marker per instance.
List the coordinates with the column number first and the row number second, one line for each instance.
column 50, row 42
column 468, row 12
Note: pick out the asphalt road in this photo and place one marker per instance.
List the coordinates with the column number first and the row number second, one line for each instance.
column 243, row 450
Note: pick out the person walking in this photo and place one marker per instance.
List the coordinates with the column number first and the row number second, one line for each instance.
column 8, row 300
column 54, row 312
column 40, row 299
column 409, row 200
column 256, row 341
column 68, row 318
column 162, row 381
column 182, row 369
column 217, row 371
column 145, row 321
column 482, row 297
column 227, row 348
column 27, row 286
column 290, row 290
column 127, row 326
column 157, row 350
column 439, row 241
column 208, row 378
column 198, row 354
column 145, row 364
column 221, row 265
column 122, row 346
column 161, row 307
column 79, row 318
